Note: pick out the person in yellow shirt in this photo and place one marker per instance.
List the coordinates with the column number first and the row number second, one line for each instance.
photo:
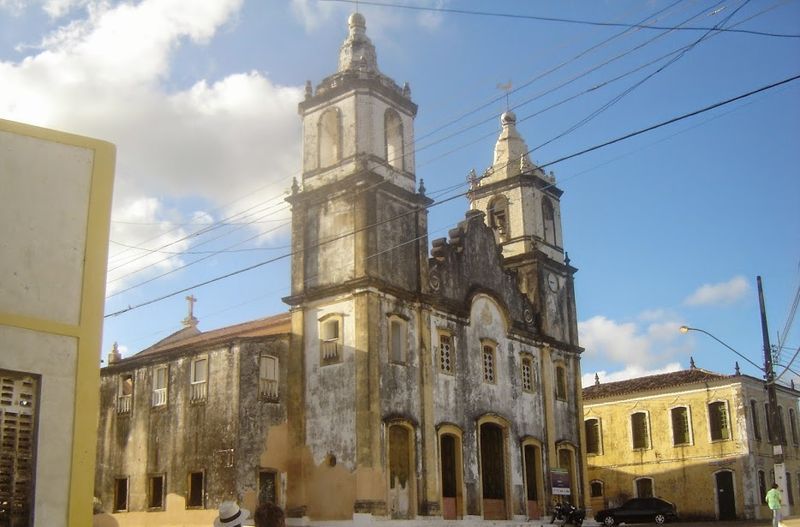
column 774, row 502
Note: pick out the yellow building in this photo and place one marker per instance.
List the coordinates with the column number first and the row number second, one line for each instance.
column 696, row 438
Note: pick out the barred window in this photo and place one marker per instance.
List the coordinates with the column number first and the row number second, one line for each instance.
column 488, row 363
column 718, row 421
column 680, row 426
column 527, row 374
column 446, row 353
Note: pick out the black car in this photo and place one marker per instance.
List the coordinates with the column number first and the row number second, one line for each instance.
column 639, row 510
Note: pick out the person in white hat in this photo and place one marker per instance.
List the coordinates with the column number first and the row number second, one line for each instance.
column 231, row 515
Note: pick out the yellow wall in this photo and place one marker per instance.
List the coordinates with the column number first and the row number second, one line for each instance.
column 685, row 475
column 56, row 207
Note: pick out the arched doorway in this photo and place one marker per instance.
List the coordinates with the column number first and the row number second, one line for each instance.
column 452, row 497
column 401, row 471
column 726, row 499
column 531, row 455
column 493, row 472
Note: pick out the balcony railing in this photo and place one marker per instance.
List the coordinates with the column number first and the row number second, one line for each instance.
column 330, row 349
column 124, row 404
column 198, row 391
column 159, row 397
column 268, row 388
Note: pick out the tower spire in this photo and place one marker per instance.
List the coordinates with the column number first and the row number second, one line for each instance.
column 357, row 52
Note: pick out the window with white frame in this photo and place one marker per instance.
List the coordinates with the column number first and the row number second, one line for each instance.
column 268, row 377
column 640, row 433
column 446, row 354
column 527, row 374
column 488, row 363
column 397, row 339
column 681, row 433
column 198, row 389
column 160, row 381
column 718, row 421
column 330, row 339
column 125, row 393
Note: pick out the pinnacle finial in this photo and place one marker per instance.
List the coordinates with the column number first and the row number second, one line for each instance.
column 596, row 379
column 691, row 363
column 736, row 369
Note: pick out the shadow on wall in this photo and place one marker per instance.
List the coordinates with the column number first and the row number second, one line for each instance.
column 104, row 520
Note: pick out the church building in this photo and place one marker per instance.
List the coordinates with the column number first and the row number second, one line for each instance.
column 407, row 379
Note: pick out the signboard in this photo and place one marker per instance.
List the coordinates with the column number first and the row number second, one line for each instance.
column 559, row 481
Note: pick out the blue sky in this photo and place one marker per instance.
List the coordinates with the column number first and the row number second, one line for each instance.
column 668, row 228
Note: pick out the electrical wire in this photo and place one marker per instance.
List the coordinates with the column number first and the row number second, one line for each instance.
column 559, row 160
column 554, row 19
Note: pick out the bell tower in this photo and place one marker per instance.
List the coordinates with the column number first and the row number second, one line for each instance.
column 359, row 241
column 522, row 205
column 358, row 184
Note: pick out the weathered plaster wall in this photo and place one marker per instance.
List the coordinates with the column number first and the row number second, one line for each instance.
column 174, row 439
column 330, row 388
column 329, row 249
column 262, row 441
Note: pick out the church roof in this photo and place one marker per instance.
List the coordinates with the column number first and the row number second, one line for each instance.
column 652, row 382
column 262, row 327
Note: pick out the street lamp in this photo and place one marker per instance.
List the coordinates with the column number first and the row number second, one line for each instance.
column 776, row 436
column 687, row 329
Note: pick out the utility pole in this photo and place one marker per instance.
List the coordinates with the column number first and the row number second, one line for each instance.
column 776, row 437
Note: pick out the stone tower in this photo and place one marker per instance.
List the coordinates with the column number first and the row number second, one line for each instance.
column 521, row 203
column 359, row 255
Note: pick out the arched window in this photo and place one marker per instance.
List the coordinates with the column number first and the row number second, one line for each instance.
column 549, row 219
column 329, row 136
column 393, row 134
column 498, row 216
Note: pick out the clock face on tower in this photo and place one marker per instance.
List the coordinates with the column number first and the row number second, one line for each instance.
column 552, row 282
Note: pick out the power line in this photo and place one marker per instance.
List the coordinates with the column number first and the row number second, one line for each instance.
column 557, row 19
column 559, row 160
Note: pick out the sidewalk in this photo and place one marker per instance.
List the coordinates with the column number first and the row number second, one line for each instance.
column 790, row 521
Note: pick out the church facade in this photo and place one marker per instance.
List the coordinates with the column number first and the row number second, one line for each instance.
column 401, row 383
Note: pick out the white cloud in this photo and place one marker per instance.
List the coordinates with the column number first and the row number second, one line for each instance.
column 234, row 139
column 138, row 230
column 629, row 372
column 13, row 7
column 58, row 8
column 635, row 345
column 720, row 294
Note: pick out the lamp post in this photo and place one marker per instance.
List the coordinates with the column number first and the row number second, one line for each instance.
column 776, row 430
